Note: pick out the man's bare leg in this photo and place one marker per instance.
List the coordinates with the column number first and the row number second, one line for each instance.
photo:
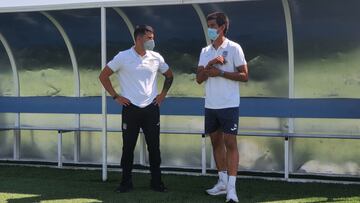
column 219, row 151
column 232, row 156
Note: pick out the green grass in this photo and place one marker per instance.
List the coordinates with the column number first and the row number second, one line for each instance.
column 30, row 184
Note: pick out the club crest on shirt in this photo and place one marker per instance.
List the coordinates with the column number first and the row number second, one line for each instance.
column 224, row 54
column 152, row 63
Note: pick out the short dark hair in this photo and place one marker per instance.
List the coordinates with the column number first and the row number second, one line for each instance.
column 221, row 19
column 140, row 30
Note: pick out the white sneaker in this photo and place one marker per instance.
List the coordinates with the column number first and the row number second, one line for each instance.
column 231, row 195
column 218, row 189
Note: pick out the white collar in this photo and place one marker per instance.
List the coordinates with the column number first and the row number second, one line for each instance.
column 223, row 45
column 138, row 55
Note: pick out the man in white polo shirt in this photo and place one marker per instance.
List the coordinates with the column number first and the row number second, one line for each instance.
column 221, row 66
column 136, row 69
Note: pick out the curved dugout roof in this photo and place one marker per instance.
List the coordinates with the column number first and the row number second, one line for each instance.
column 42, row 5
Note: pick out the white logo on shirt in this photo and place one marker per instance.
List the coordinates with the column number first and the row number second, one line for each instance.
column 234, row 128
column 124, row 126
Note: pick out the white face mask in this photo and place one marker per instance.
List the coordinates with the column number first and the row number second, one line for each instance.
column 149, row 44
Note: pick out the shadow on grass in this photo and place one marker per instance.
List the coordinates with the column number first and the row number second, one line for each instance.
column 29, row 184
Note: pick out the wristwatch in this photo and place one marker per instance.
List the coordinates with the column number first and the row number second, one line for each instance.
column 115, row 96
column 222, row 73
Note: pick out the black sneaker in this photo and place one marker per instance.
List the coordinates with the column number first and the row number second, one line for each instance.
column 160, row 187
column 124, row 187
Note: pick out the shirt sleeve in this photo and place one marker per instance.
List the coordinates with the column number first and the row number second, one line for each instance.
column 163, row 66
column 116, row 63
column 202, row 61
column 239, row 57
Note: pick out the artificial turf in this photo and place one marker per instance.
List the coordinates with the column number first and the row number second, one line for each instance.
column 33, row 184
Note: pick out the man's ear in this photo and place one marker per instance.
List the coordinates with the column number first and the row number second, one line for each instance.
column 223, row 28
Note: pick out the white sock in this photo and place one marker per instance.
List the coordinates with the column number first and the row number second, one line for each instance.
column 223, row 176
column 232, row 181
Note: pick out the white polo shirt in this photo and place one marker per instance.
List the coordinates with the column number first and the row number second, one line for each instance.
column 137, row 75
column 220, row 92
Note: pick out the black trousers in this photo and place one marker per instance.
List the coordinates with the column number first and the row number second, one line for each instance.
column 148, row 119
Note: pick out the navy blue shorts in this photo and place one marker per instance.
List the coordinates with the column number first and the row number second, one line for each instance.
column 225, row 120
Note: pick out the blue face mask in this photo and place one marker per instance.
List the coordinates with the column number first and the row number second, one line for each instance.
column 149, row 44
column 212, row 33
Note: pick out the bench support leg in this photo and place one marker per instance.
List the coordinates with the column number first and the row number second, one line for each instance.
column 212, row 161
column 60, row 164
column 288, row 156
column 76, row 146
column 291, row 144
column 142, row 149
column 286, row 149
column 203, row 154
column 16, row 147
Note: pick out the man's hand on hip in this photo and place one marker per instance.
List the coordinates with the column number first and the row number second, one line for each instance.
column 159, row 99
column 122, row 101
